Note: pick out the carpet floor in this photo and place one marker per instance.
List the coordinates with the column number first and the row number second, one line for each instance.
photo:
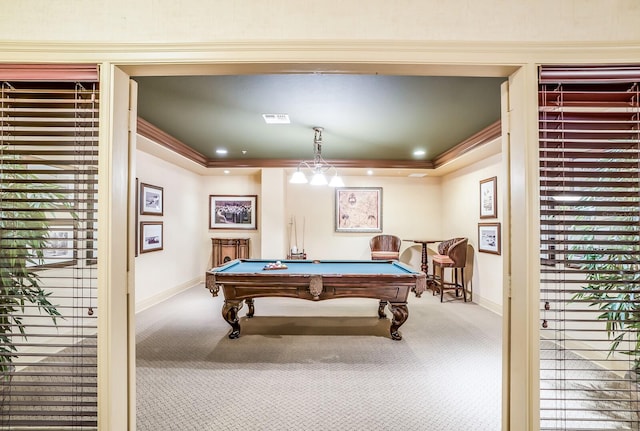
column 329, row 365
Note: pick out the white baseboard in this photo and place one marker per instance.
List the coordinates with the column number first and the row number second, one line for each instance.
column 489, row 305
column 166, row 294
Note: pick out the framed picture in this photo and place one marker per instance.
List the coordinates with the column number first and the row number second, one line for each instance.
column 151, row 199
column 233, row 212
column 151, row 236
column 488, row 196
column 135, row 221
column 489, row 238
column 358, row 209
column 59, row 248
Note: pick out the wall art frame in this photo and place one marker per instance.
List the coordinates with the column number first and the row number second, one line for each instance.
column 489, row 238
column 136, row 218
column 151, row 236
column 60, row 247
column 488, row 198
column 358, row 209
column 233, row 212
column 151, row 199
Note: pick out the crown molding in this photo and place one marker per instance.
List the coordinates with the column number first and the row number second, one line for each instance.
column 155, row 134
column 289, row 163
column 483, row 137
column 134, row 58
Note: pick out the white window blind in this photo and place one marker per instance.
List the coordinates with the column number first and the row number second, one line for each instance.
column 589, row 148
column 48, row 197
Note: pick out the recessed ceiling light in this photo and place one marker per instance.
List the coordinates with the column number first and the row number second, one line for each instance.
column 221, row 151
column 226, row 171
column 244, row 152
column 276, row 118
column 419, row 153
column 369, row 172
column 418, row 175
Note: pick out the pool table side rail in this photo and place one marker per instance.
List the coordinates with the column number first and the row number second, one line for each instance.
column 241, row 285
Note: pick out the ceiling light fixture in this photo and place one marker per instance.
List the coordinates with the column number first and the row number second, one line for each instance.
column 318, row 167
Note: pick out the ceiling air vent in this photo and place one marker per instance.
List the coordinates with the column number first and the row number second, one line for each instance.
column 276, row 118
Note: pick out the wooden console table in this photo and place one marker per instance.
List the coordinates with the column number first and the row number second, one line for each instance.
column 227, row 249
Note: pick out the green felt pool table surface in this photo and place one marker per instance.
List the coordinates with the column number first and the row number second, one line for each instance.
column 322, row 267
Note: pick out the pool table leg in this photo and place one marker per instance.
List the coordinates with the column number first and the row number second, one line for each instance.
column 230, row 314
column 381, row 306
column 251, row 310
column 400, row 315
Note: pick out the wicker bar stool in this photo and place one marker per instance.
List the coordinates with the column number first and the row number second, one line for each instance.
column 451, row 254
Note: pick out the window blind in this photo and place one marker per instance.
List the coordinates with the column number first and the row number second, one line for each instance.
column 48, row 259
column 589, row 152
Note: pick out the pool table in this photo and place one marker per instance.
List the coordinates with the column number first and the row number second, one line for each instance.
column 246, row 279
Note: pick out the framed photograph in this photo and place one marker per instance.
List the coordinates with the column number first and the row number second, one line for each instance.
column 488, row 196
column 233, row 212
column 151, row 199
column 358, row 209
column 489, row 238
column 151, row 237
column 59, row 248
column 135, row 221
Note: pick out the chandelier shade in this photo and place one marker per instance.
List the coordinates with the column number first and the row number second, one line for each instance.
column 298, row 177
column 318, row 167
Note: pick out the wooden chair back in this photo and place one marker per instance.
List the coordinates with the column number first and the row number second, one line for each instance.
column 385, row 247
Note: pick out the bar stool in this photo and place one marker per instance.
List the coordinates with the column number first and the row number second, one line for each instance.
column 451, row 254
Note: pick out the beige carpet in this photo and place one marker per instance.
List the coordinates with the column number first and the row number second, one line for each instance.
column 333, row 367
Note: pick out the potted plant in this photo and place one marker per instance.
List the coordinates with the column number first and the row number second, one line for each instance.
column 612, row 279
column 24, row 232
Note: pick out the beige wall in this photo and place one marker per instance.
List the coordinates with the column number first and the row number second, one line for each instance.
column 272, row 214
column 181, row 262
column 407, row 211
column 460, row 211
column 230, row 185
column 215, row 20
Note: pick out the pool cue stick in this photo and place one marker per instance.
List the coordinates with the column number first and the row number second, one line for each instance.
column 290, row 237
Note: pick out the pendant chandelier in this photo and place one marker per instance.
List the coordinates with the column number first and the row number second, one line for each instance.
column 318, row 167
